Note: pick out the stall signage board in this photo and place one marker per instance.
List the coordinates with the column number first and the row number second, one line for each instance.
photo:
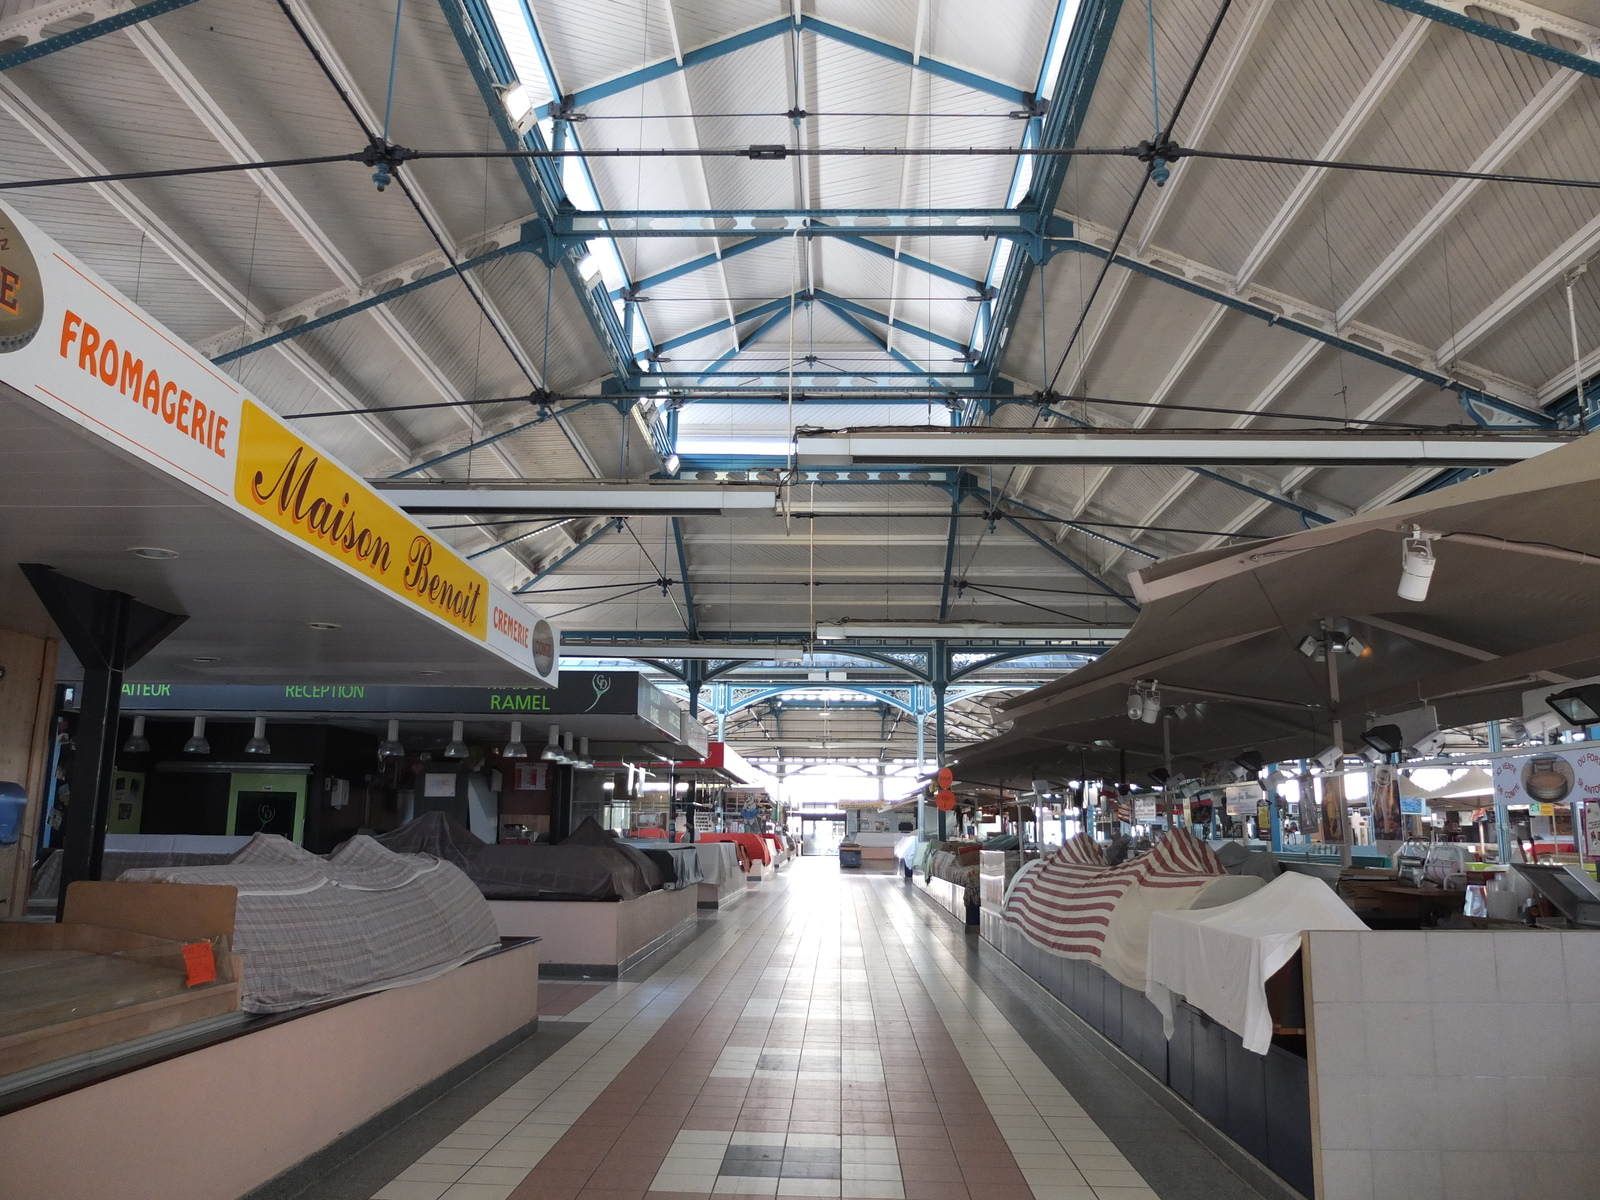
column 1144, row 810
column 610, row 693
column 69, row 342
column 1244, row 800
column 1548, row 775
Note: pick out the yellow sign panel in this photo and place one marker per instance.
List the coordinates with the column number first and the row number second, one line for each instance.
column 289, row 483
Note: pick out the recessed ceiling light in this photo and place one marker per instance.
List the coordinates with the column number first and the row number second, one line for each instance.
column 152, row 552
column 322, row 624
column 205, row 658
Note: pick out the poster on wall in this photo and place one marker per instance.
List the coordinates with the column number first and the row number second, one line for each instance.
column 1331, row 825
column 1384, row 802
column 528, row 777
column 1591, row 828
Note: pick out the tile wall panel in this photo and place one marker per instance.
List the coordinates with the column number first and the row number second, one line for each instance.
column 1454, row 1064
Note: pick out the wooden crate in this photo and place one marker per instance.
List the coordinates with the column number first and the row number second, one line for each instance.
column 113, row 970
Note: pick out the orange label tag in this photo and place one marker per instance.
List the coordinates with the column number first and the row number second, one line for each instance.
column 201, row 962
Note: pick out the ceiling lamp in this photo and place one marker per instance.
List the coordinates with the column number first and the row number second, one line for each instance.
column 1578, row 706
column 1252, row 761
column 390, row 747
column 1144, row 702
column 197, row 744
column 584, row 762
column 1416, row 565
column 515, row 748
column 457, row 747
column 552, row 751
column 137, row 743
column 517, row 100
column 1385, row 739
column 1315, row 646
column 258, row 743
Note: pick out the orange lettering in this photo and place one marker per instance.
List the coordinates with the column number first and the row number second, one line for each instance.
column 88, row 347
column 10, row 285
column 109, row 358
column 169, row 405
column 183, row 411
column 222, row 432
column 151, row 397
column 69, row 330
column 197, row 421
column 132, row 374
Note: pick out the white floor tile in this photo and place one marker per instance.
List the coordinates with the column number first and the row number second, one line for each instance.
column 399, row 1190
column 871, row 1189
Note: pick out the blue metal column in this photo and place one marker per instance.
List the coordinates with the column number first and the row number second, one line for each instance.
column 941, row 680
column 1502, row 816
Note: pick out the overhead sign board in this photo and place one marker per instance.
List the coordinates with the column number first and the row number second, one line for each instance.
column 71, row 343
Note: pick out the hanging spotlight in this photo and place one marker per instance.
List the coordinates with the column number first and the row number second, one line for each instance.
column 258, row 743
column 1135, row 703
column 515, row 748
column 1152, row 706
column 137, row 743
column 390, row 747
column 1252, row 761
column 197, row 744
column 584, row 762
column 457, row 748
column 552, row 751
column 1416, row 565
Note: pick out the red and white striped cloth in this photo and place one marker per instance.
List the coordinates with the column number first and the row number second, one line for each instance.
column 1076, row 906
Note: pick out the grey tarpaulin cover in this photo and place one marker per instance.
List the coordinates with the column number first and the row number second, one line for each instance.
column 679, row 864
column 569, row 871
column 126, row 851
column 719, row 861
column 312, row 929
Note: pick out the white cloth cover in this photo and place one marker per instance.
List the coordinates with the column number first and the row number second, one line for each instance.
column 719, row 861
column 1219, row 959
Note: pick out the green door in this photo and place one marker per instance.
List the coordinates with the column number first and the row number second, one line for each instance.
column 268, row 804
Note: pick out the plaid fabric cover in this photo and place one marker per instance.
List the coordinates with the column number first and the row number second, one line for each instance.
column 47, row 875
column 946, row 865
column 1073, row 905
column 311, row 929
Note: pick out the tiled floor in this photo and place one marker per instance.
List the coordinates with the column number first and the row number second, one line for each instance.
column 833, row 1036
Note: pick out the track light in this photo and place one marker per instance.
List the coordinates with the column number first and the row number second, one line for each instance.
column 390, row 747
column 137, row 743
column 197, row 744
column 1328, row 760
column 1416, row 565
column 258, row 743
column 457, row 747
column 515, row 748
column 1135, row 704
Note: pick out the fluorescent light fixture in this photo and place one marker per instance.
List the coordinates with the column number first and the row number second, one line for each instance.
column 517, row 100
column 972, row 447
column 258, row 743
column 744, row 447
column 657, row 498
column 589, row 267
column 153, row 553
column 742, row 652
column 197, row 744
column 953, row 630
column 673, row 463
column 515, row 748
column 390, row 747
column 457, row 747
column 137, row 743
